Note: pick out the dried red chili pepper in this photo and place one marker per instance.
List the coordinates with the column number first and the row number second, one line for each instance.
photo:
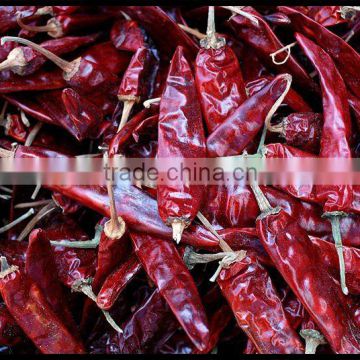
column 180, row 135
column 15, row 128
column 64, row 24
column 24, row 60
column 324, row 15
column 10, row 332
column 126, row 35
column 218, row 78
column 265, row 42
column 136, row 81
column 8, row 16
column 166, row 268
column 235, row 133
column 283, row 238
column 29, row 307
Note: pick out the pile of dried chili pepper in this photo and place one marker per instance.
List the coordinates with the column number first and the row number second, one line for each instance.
column 179, row 267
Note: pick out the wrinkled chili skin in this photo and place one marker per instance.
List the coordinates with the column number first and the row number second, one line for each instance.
column 336, row 129
column 303, row 130
column 171, row 35
column 117, row 281
column 126, row 35
column 284, row 240
column 346, row 58
column 180, row 135
column 236, row 132
column 257, row 307
column 166, row 268
column 264, row 41
column 220, row 85
column 324, row 15
column 29, row 307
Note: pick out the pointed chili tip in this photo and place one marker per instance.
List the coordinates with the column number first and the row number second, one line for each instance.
column 178, row 228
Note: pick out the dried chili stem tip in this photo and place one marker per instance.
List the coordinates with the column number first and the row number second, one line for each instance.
column 263, row 203
column 47, row 209
column 149, row 102
column 5, row 197
column 87, row 244
column 53, row 27
column 129, row 102
column 334, row 218
column 115, row 227
column 15, row 61
column 211, row 41
column 237, row 10
column 69, row 67
column 5, row 268
column 348, row 12
column 21, row 218
column 178, row 227
column 279, row 128
column 5, row 189
column 286, row 48
column 32, row 134
column 84, row 286
column 32, row 204
column 192, row 31
column 313, row 339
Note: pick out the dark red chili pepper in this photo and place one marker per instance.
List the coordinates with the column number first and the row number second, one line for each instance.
column 171, row 35
column 117, row 281
column 252, row 67
column 41, row 268
column 8, row 16
column 218, row 78
column 146, row 126
column 23, row 60
column 265, row 42
column 136, row 81
column 126, row 35
column 65, row 24
column 292, row 98
column 235, row 133
column 67, row 205
column 257, row 307
column 32, row 312
column 324, row 15
column 180, row 135
column 10, row 332
column 347, row 60
column 166, row 268
column 283, row 238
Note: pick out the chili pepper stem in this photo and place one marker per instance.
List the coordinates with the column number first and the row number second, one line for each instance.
column 69, row 68
column 279, row 128
column 17, row 221
column 313, row 339
column 115, row 227
column 199, row 35
column 5, row 189
column 6, row 153
column 5, row 268
column 147, row 103
column 32, row 204
column 5, row 197
column 87, row 244
column 211, row 41
column 14, row 59
column 50, row 27
column 334, row 218
column 286, row 48
column 237, row 10
column 178, row 228
column 46, row 10
column 36, row 191
column 32, row 134
column 262, row 201
column 348, row 11
column 83, row 285
column 24, row 119
column 128, row 105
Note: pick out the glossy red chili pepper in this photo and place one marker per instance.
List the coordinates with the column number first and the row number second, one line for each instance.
column 23, row 60
column 324, row 15
column 180, row 135
column 41, row 268
column 248, row 289
column 235, row 133
column 126, row 35
column 265, row 42
column 347, row 60
column 146, row 127
column 171, row 35
column 218, row 79
column 166, row 268
column 10, row 332
column 117, row 281
column 32, row 312
column 282, row 238
column 292, row 99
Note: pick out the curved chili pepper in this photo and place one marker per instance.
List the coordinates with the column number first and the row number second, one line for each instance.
column 218, row 79
column 29, row 307
column 10, row 332
column 235, row 133
column 346, row 58
column 126, row 35
column 264, row 41
column 282, row 238
column 24, row 60
column 117, row 281
column 171, row 35
column 257, row 307
column 180, row 135
column 165, row 267
column 292, row 98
